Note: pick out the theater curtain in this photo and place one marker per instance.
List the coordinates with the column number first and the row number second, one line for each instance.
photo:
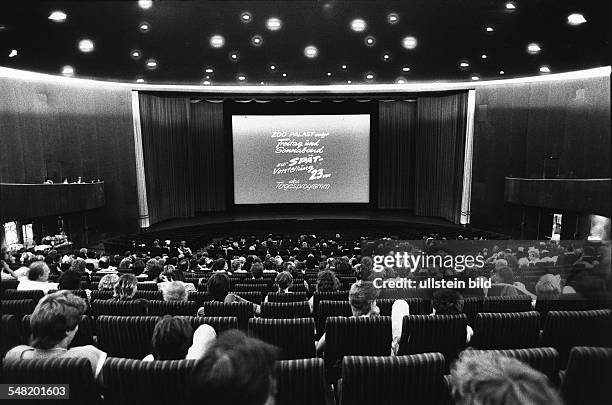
column 440, row 142
column 396, row 142
column 206, row 128
column 168, row 156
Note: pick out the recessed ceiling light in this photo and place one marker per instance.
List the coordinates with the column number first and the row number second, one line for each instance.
column 343, row 66
column 86, row 45
column 369, row 76
column 409, row 42
column 370, row 40
column 241, row 77
column 135, row 54
column 489, row 28
column 272, row 67
column 510, row 5
column 256, row 40
column 246, row 17
column 2, row 27
column 349, row 82
column 217, row 41
column 475, row 77
column 140, row 80
column 405, row 69
column 501, row 72
column 544, row 69
column 144, row 27
column 464, row 64
column 13, row 53
column 262, row 83
column 234, row 56
column 284, row 74
column 274, row 24
column 358, row 25
column 207, row 77
column 400, row 80
column 576, row 19
column 145, row 4
column 151, row 64
column 57, row 16
column 68, row 70
column 329, row 74
column 392, row 18
column 209, row 70
column 206, row 82
column 533, row 48
column 386, row 57
column 483, row 56
column 311, row 51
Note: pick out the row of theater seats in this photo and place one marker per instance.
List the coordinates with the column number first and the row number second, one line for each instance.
column 130, row 336
column 418, row 379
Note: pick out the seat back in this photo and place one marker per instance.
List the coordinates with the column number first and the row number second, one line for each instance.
column 240, row 310
column 521, row 303
column 566, row 329
column 301, row 382
column 146, row 287
column 252, row 296
column 295, row 337
column 471, row 307
column 434, row 333
column 588, row 375
column 515, row 330
column 150, row 295
column 330, row 308
column 198, row 297
column 146, row 382
column 219, row 323
column 101, row 295
column 125, row 336
column 76, row 372
column 11, row 333
column 119, row 308
column 160, row 308
column 327, row 296
column 364, row 336
column 83, row 337
column 415, row 379
column 284, row 310
column 241, row 288
column 8, row 285
column 543, row 359
column 283, row 297
column 19, row 308
column 34, row 295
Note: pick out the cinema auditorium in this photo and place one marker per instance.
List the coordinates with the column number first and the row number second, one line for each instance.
column 313, row 202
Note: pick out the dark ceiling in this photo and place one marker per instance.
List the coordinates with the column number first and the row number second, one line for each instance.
column 447, row 32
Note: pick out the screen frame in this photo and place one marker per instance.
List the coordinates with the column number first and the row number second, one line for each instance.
column 300, row 107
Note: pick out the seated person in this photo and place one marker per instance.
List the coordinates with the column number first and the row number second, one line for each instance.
column 37, row 278
column 362, row 297
column 174, row 291
column 503, row 277
column 70, row 280
column 326, row 282
column 218, row 286
column 548, row 287
column 236, row 370
column 126, row 288
column 487, row 378
column 174, row 339
column 450, row 302
column 284, row 280
column 107, row 283
column 172, row 274
column 54, row 323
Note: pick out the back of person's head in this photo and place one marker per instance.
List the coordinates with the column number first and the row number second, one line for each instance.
column 218, row 286
column 183, row 265
column 327, row 281
column 155, row 270
column 219, row 264
column 70, row 280
column 171, row 338
column 79, row 265
column 447, row 302
column 257, row 270
column 138, row 267
column 362, row 297
column 236, row 370
column 284, row 280
column 55, row 317
column 175, row 291
column 38, row 271
column 126, row 287
column 492, row 379
column 504, row 275
column 107, row 283
column 548, row 286
column 364, row 270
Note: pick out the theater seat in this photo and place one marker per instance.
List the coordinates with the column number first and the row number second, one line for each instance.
column 125, row 336
column 401, row 380
column 362, row 336
column 283, row 297
column 76, row 372
column 135, row 382
column 471, row 307
column 119, row 308
column 35, row 295
column 284, row 310
column 83, row 337
column 240, row 310
column 507, row 304
column 433, row 333
column 147, row 287
column 516, row 330
column 327, row 296
column 295, row 337
column 198, row 297
column 252, row 296
column 160, row 308
column 19, row 308
column 543, row 359
column 149, row 295
column 219, row 323
column 566, row 329
column 302, row 382
column 417, row 306
column 101, row 295
column 11, row 333
column 330, row 308
column 588, row 376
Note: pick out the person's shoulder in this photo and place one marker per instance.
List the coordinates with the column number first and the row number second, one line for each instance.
column 15, row 352
column 88, row 351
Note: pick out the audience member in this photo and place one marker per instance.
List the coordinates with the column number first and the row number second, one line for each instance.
column 326, row 282
column 126, row 287
column 37, row 278
column 107, row 283
column 218, row 286
column 174, row 339
column 70, row 280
